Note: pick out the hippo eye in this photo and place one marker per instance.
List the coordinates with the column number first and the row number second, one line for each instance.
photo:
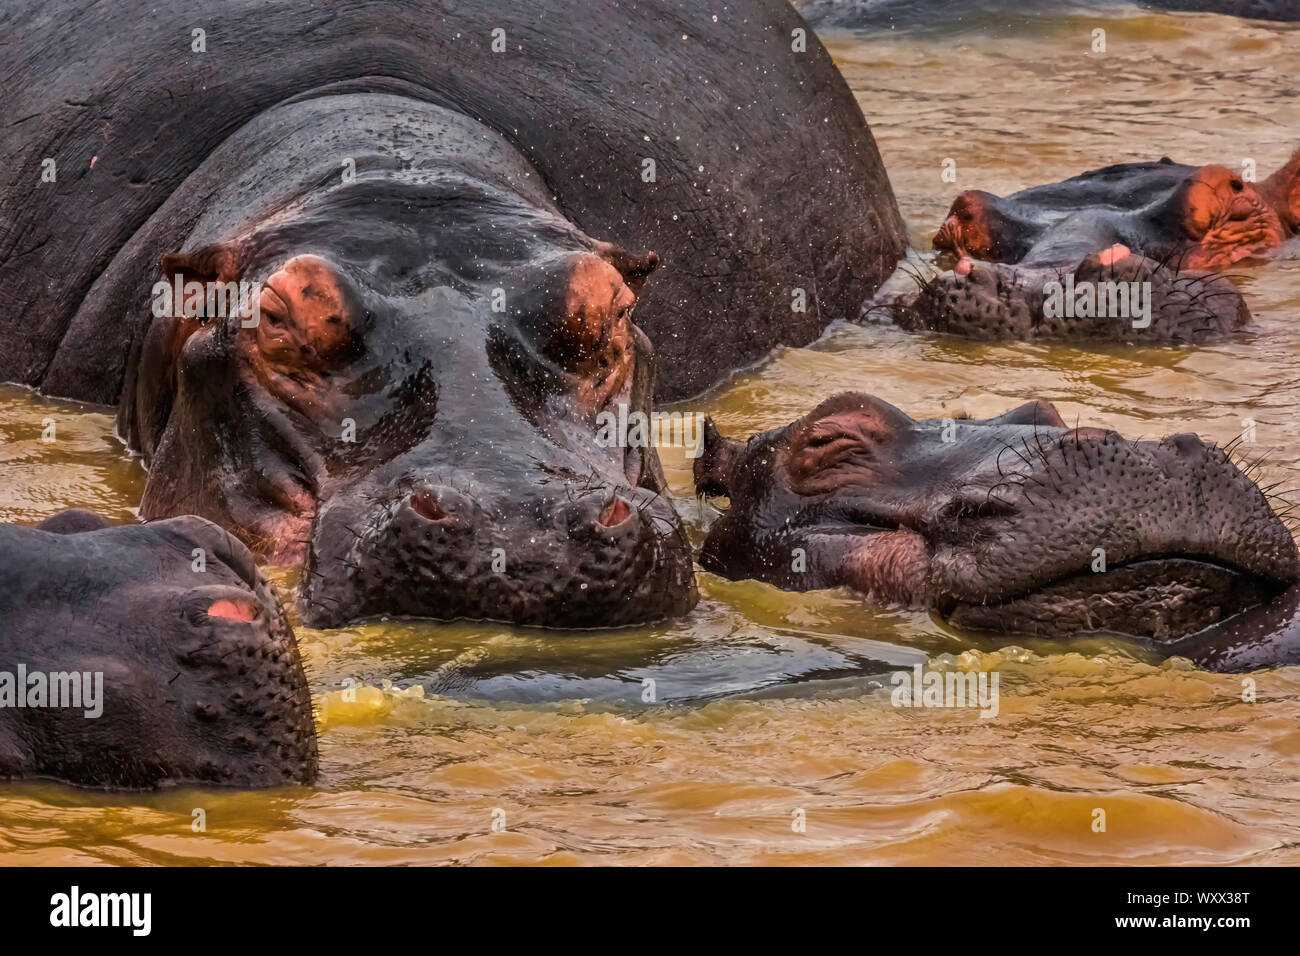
column 1236, row 185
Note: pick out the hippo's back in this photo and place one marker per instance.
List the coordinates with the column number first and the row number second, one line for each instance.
column 1121, row 186
column 718, row 136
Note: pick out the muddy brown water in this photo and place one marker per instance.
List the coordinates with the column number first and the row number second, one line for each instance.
column 770, row 703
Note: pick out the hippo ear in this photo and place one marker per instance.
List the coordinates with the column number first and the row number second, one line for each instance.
column 218, row 262
column 634, row 269
column 715, row 468
column 74, row 521
column 1282, row 192
column 1032, row 413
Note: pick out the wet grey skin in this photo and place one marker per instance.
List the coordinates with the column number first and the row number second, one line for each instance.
column 202, row 680
column 998, row 528
column 1262, row 637
column 1173, row 229
column 414, row 417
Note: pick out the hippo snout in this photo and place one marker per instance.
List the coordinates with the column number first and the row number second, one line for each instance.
column 185, row 665
column 572, row 556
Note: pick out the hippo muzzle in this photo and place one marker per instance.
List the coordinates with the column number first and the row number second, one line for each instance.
column 185, row 664
column 1013, row 524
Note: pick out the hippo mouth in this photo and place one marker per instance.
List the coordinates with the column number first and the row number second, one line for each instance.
column 1160, row 598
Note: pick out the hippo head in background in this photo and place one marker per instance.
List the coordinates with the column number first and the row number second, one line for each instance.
column 411, row 409
column 1157, row 234
column 188, row 669
column 1011, row 524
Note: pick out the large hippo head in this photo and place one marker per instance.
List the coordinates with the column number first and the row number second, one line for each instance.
column 1015, row 523
column 1131, row 252
column 148, row 654
column 409, row 404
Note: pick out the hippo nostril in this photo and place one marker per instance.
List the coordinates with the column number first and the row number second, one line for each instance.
column 614, row 513
column 221, row 603
column 425, row 504
column 232, row 610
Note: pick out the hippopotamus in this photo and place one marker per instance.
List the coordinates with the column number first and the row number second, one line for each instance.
column 444, row 215
column 411, row 413
column 1010, row 524
column 1131, row 252
column 144, row 655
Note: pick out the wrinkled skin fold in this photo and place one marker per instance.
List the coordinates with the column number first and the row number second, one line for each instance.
column 996, row 525
column 412, row 416
column 202, row 682
column 1160, row 233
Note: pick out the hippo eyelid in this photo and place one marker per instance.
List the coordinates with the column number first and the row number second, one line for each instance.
column 825, row 439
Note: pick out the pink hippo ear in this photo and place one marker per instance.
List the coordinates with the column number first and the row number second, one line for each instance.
column 218, row 262
column 1282, row 192
column 634, row 269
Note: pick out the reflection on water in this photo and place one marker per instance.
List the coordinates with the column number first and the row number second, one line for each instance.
column 697, row 740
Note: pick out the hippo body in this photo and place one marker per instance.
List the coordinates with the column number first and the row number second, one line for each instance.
column 1160, row 233
column 765, row 177
column 995, row 525
column 189, row 672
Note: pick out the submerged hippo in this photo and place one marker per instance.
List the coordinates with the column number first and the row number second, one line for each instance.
column 1015, row 523
column 143, row 655
column 1131, row 252
column 446, row 211
column 409, row 406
